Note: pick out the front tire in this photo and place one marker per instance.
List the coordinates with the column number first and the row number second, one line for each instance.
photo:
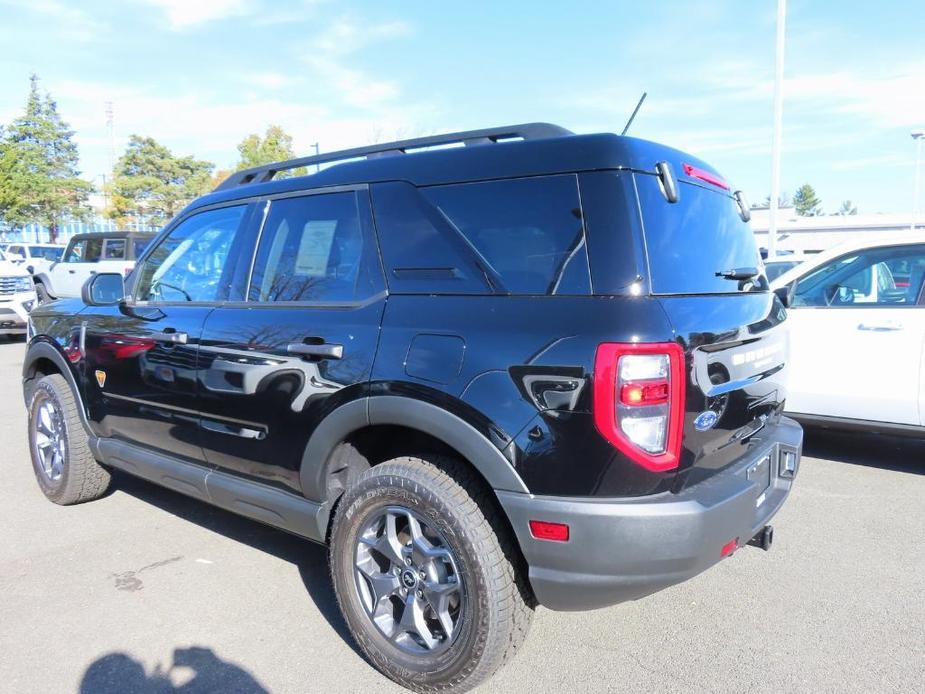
column 64, row 466
column 424, row 572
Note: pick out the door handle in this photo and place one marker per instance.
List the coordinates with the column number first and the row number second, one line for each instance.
column 323, row 350
column 880, row 327
column 72, row 271
column 171, row 338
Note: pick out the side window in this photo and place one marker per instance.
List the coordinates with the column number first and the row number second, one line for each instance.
column 519, row 236
column 114, row 249
column 314, row 248
column 75, row 252
column 138, row 247
column 189, row 264
column 93, row 250
column 874, row 277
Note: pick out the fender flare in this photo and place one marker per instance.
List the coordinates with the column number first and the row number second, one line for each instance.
column 414, row 414
column 43, row 279
column 45, row 350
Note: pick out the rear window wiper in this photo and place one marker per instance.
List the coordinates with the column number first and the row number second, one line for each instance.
column 738, row 273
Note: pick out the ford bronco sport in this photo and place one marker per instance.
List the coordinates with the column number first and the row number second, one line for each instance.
column 538, row 368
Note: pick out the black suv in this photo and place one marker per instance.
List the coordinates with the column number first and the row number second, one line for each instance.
column 537, row 368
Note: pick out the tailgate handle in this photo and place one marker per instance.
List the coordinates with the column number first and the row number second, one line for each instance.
column 880, row 327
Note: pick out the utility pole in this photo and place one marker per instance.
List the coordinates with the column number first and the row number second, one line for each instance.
column 918, row 136
column 317, row 153
column 778, row 118
column 109, row 131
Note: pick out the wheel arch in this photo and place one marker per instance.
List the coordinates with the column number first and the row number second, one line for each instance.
column 367, row 431
column 43, row 359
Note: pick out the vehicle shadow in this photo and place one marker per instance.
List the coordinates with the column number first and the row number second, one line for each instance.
column 898, row 453
column 119, row 673
column 309, row 557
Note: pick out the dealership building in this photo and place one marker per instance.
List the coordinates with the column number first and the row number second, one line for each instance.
column 813, row 234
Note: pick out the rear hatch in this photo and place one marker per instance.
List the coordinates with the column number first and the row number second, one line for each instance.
column 700, row 253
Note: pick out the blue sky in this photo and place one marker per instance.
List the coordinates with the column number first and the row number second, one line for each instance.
column 199, row 75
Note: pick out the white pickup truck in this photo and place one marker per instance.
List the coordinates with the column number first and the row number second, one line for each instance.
column 86, row 255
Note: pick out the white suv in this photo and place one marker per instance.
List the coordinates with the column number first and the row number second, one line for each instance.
column 34, row 257
column 857, row 336
column 86, row 255
column 17, row 297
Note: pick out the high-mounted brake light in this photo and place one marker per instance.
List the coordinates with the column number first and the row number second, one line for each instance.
column 639, row 401
column 705, row 176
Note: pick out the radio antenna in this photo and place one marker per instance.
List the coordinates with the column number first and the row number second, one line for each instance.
column 635, row 111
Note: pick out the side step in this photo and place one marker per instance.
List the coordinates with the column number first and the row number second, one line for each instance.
column 274, row 507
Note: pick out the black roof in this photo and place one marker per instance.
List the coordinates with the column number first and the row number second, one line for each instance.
column 491, row 153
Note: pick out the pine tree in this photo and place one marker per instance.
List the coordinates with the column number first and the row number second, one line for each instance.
column 39, row 176
column 806, row 202
column 847, row 208
column 150, row 185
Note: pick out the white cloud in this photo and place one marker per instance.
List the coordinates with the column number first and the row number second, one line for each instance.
column 67, row 21
column 331, row 50
column 182, row 14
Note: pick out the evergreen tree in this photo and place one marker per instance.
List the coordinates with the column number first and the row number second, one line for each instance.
column 847, row 208
column 39, row 176
column 150, row 185
column 806, row 202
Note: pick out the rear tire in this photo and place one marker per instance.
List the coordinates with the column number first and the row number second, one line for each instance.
column 64, row 466
column 450, row 551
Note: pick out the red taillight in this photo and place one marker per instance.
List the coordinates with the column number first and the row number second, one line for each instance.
column 544, row 530
column 639, row 401
column 705, row 176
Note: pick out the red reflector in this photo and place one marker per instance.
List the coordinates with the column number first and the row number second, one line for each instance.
column 705, row 176
column 543, row 530
column 729, row 547
column 654, row 393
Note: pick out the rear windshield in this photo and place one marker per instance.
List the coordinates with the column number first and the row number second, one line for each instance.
column 46, row 252
column 690, row 241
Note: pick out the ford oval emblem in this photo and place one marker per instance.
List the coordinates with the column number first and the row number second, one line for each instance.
column 706, row 420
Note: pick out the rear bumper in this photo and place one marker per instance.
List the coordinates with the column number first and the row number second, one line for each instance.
column 624, row 549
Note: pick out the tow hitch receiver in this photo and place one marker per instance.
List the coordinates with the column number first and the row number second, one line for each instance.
column 763, row 538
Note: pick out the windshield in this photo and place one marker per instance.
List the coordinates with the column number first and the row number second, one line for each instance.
column 698, row 245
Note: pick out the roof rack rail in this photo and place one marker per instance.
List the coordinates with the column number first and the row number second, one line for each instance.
column 524, row 131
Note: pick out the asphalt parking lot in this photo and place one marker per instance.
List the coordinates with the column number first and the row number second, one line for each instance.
column 147, row 591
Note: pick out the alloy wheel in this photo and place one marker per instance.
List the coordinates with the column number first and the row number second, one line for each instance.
column 408, row 581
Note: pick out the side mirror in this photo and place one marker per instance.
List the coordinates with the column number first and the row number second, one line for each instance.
column 785, row 294
column 103, row 289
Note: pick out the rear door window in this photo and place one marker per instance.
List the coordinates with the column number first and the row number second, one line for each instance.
column 690, row 241
column 114, row 249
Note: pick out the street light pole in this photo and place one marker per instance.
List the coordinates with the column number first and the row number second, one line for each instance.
column 317, row 152
column 778, row 118
column 918, row 136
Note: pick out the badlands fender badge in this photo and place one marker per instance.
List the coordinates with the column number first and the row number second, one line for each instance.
column 100, row 377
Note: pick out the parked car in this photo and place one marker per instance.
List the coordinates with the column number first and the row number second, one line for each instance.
column 87, row 255
column 859, row 309
column 17, row 298
column 35, row 257
column 775, row 267
column 473, row 371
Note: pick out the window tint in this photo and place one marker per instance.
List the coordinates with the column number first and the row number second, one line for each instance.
column 92, row 251
column 189, row 264
column 114, row 249
column 527, row 231
column 689, row 241
column 313, row 248
column 874, row 277
column 521, row 236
